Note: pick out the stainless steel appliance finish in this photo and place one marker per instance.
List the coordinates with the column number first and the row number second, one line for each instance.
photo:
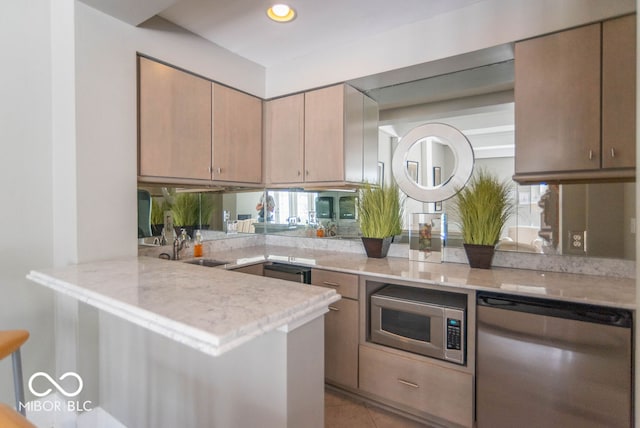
column 422, row 321
column 288, row 272
column 544, row 363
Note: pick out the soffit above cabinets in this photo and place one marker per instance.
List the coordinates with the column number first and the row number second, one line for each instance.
column 242, row 26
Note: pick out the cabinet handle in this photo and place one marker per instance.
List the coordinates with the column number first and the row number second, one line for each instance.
column 590, row 154
column 299, row 173
column 210, row 170
column 406, row 382
column 218, row 170
column 307, row 171
column 331, row 284
column 613, row 152
column 333, row 308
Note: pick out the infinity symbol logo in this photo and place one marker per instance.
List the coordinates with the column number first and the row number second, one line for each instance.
column 54, row 383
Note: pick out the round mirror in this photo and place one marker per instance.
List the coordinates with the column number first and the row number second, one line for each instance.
column 432, row 162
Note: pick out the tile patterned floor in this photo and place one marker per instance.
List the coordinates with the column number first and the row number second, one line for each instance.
column 341, row 411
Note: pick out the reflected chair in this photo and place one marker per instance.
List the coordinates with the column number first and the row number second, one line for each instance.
column 9, row 418
column 10, row 343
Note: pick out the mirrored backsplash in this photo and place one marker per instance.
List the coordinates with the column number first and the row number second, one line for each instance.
column 594, row 220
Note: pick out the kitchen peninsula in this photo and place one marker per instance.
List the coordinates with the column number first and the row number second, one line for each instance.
column 262, row 334
column 266, row 335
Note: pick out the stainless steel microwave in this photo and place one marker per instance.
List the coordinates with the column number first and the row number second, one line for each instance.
column 423, row 321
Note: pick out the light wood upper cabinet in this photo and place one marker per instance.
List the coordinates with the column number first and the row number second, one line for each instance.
column 575, row 104
column 284, row 139
column 370, row 147
column 174, row 123
column 237, row 136
column 324, row 134
column 618, row 92
column 557, row 102
column 320, row 137
column 193, row 130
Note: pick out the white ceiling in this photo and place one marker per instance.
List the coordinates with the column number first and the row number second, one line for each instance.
column 242, row 26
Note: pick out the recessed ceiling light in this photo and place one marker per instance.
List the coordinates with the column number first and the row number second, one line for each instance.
column 281, row 13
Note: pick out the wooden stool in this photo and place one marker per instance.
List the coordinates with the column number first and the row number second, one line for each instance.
column 9, row 418
column 10, row 343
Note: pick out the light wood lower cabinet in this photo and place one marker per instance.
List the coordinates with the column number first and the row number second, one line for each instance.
column 340, row 328
column 414, row 383
column 341, row 343
column 344, row 283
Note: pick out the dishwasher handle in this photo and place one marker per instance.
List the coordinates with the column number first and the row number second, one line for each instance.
column 568, row 310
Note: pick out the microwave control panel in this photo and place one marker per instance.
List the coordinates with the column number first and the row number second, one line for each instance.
column 454, row 334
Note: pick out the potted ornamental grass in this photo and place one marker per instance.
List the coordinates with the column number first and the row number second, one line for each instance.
column 483, row 207
column 380, row 217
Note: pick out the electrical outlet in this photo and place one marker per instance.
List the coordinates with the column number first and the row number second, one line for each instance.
column 577, row 241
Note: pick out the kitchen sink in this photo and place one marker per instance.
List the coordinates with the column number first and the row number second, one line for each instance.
column 206, row 262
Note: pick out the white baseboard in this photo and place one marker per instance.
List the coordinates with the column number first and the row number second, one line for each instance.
column 54, row 412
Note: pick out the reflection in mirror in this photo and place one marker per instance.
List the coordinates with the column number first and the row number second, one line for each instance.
column 422, row 154
column 330, row 214
column 434, row 162
column 221, row 215
column 478, row 100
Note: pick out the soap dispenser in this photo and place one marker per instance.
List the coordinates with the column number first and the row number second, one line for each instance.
column 197, row 246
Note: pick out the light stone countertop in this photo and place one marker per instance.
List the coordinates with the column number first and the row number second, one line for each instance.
column 209, row 309
column 215, row 310
column 590, row 289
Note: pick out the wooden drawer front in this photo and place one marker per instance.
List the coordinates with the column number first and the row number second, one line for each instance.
column 438, row 391
column 346, row 284
column 341, row 343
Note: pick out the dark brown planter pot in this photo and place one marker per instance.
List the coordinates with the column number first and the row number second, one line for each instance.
column 479, row 256
column 376, row 247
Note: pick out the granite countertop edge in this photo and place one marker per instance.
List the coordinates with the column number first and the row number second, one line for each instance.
column 193, row 334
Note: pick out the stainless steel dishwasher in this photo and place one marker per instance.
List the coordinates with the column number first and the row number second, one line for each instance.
column 544, row 363
column 289, row 272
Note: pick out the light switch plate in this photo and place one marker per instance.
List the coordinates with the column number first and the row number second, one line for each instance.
column 577, row 241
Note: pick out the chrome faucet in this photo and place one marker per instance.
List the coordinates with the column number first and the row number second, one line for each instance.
column 180, row 243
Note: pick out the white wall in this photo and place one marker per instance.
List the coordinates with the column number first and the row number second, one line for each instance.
column 68, row 135
column 106, row 116
column 483, row 24
column 26, row 200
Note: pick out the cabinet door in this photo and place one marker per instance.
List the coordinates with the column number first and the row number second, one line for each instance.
column 557, row 102
column 341, row 343
column 345, row 284
column 237, row 136
column 370, row 149
column 284, row 139
column 174, row 122
column 353, row 134
column 324, row 134
column 619, row 93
